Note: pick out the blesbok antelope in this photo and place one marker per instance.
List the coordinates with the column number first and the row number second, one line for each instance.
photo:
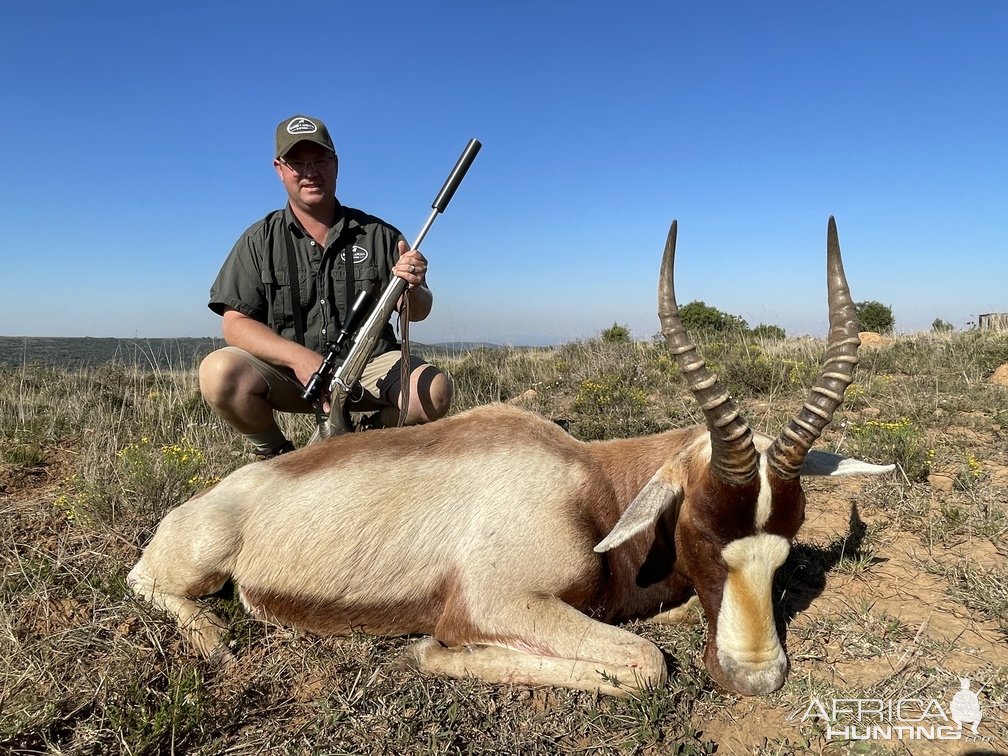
column 514, row 546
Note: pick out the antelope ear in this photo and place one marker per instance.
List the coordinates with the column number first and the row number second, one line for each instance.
column 819, row 462
column 657, row 497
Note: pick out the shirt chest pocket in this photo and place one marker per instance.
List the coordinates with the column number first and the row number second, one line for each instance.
column 365, row 275
column 279, row 307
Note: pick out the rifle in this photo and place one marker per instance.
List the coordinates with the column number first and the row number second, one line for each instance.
column 346, row 376
column 323, row 376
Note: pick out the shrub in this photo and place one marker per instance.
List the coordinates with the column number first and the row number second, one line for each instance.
column 899, row 441
column 162, row 473
column 617, row 334
column 764, row 331
column 940, row 326
column 970, row 473
column 751, row 374
column 606, row 392
column 875, row 316
column 698, row 317
column 608, row 406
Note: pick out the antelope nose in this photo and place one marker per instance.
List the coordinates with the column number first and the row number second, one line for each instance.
column 755, row 680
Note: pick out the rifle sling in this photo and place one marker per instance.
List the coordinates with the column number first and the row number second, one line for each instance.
column 404, row 361
column 295, row 284
column 294, row 287
column 351, row 283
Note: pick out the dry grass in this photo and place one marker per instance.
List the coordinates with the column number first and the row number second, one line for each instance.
column 895, row 589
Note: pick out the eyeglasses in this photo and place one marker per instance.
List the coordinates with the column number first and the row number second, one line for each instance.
column 301, row 167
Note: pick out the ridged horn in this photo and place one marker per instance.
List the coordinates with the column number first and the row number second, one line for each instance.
column 787, row 453
column 733, row 455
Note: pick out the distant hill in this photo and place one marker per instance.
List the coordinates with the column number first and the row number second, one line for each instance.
column 183, row 353
column 81, row 352
column 452, row 347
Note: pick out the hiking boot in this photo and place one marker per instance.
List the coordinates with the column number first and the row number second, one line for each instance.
column 258, row 455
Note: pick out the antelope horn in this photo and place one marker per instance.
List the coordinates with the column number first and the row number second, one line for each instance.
column 733, row 454
column 787, row 453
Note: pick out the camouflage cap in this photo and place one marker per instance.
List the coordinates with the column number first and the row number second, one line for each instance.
column 301, row 128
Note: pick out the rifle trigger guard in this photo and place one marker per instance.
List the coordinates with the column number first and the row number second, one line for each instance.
column 356, row 393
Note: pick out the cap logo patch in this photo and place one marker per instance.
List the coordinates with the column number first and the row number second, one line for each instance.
column 301, row 126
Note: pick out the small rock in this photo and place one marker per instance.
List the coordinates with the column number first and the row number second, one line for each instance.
column 941, row 481
column 872, row 340
column 526, row 398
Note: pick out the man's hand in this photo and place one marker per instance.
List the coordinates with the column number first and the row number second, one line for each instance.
column 259, row 339
column 411, row 266
column 305, row 365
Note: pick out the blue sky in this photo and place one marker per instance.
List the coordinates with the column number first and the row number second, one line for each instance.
column 138, row 148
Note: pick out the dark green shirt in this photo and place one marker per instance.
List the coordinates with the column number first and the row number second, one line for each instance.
column 254, row 279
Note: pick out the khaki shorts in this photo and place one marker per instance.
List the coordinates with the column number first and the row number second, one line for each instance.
column 380, row 381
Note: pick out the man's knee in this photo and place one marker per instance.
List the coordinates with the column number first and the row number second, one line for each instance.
column 439, row 392
column 222, row 375
column 442, row 392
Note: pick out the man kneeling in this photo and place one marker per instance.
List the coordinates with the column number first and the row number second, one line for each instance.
column 285, row 289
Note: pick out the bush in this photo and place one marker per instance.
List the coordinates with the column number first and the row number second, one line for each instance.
column 772, row 332
column 940, row 326
column 698, row 317
column 607, row 405
column 875, row 316
column 900, row 441
column 616, row 334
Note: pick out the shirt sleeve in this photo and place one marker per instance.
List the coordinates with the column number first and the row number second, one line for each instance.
column 240, row 283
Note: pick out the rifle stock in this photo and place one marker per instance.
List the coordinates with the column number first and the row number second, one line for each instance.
column 348, row 374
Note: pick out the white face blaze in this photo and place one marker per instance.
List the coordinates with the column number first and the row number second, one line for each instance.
column 748, row 649
column 764, row 500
